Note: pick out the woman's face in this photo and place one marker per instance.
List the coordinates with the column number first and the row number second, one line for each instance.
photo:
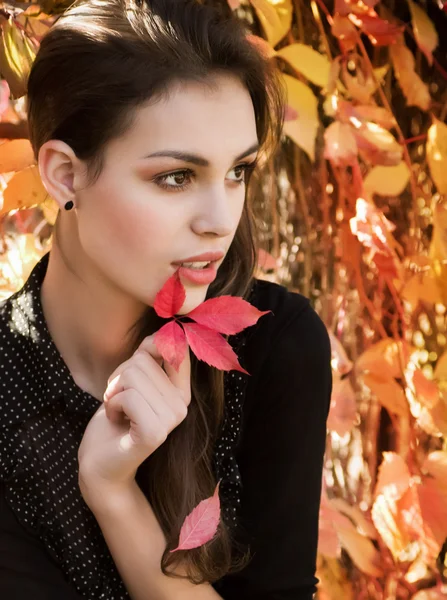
column 145, row 212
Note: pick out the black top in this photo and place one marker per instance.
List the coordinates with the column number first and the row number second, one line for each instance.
column 269, row 455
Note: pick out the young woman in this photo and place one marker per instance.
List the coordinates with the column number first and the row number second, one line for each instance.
column 147, row 118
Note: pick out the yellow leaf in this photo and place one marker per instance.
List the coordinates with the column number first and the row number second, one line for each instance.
column 25, row 189
column 340, row 146
column 377, row 145
column 424, row 31
column 437, row 154
column 15, row 155
column 361, row 549
column 415, row 90
column 302, row 130
column 275, row 17
column 380, row 73
column 387, row 181
column 314, row 66
column 17, row 54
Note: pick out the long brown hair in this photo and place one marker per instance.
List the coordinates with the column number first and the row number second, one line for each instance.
column 101, row 60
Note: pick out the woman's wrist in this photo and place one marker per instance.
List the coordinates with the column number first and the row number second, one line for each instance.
column 107, row 497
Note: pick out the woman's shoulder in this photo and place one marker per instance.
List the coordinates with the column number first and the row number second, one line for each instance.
column 289, row 310
column 292, row 327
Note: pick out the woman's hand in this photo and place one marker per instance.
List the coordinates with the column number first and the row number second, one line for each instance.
column 142, row 405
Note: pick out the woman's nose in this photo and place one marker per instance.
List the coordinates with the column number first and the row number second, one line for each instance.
column 218, row 212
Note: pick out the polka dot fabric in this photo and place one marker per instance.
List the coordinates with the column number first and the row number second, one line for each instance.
column 42, row 420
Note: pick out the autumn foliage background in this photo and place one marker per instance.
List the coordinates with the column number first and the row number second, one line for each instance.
column 352, row 212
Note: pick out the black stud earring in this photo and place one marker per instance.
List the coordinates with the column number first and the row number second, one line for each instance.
column 69, row 205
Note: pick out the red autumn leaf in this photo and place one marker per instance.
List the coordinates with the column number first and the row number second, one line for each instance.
column 201, row 524
column 226, row 314
column 379, row 31
column 386, row 264
column 170, row 298
column 208, row 345
column 345, row 32
column 170, row 341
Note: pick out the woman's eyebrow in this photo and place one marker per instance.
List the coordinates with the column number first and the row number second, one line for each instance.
column 195, row 159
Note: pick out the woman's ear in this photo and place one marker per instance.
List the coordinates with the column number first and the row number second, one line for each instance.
column 60, row 170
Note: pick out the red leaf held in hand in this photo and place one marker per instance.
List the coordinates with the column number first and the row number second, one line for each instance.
column 170, row 341
column 170, row 298
column 226, row 314
column 208, row 345
column 201, row 524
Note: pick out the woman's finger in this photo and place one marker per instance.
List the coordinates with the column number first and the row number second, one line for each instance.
column 145, row 428
column 181, row 379
column 170, row 409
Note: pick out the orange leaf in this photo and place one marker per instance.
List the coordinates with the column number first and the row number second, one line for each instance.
column 335, row 529
column 16, row 155
column 211, row 347
column 379, row 31
column 343, row 410
column 427, row 392
column 433, row 509
column 421, row 287
column 388, row 392
column 24, row 189
column 339, row 359
column 418, row 529
column 393, row 476
column 345, row 32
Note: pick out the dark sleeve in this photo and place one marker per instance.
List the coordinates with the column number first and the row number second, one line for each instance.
column 26, row 570
column 281, row 460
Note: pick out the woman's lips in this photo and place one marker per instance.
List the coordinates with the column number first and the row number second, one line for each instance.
column 199, row 276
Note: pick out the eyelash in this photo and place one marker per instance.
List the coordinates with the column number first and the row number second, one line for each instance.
column 247, row 169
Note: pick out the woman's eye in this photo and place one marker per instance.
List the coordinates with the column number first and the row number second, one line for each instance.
column 180, row 180
column 174, row 181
